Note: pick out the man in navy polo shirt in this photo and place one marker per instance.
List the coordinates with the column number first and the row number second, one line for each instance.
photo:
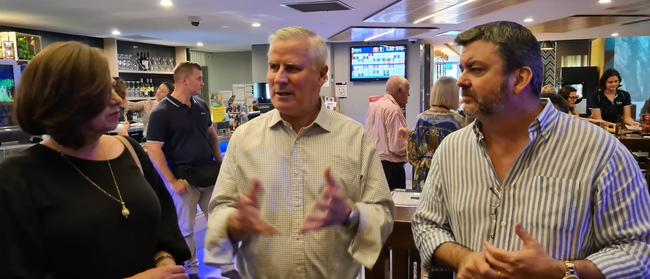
column 180, row 134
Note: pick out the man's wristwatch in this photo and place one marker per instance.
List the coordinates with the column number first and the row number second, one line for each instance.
column 570, row 272
column 353, row 218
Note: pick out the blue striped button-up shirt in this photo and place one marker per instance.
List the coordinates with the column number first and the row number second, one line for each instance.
column 575, row 188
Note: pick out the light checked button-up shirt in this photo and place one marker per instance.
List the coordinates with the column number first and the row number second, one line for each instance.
column 290, row 166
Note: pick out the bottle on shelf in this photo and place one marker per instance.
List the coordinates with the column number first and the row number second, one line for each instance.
column 141, row 89
column 148, row 60
column 145, row 62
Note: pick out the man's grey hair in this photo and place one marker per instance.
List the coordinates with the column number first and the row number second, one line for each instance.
column 317, row 46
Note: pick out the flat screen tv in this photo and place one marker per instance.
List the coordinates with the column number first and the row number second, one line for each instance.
column 368, row 63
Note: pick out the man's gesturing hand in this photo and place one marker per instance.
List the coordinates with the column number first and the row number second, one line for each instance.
column 331, row 207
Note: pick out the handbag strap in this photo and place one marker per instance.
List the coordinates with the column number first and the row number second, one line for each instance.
column 205, row 134
column 128, row 146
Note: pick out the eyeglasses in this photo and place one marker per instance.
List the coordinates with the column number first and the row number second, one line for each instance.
column 495, row 202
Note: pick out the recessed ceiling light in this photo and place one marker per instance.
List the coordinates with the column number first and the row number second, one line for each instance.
column 256, row 24
column 116, row 32
column 199, row 44
column 528, row 19
column 604, row 1
column 614, row 34
column 166, row 3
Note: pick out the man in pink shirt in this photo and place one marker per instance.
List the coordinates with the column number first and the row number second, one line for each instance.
column 387, row 126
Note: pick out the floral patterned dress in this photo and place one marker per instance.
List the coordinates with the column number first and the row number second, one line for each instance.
column 430, row 129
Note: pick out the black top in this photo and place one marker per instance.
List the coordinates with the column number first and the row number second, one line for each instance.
column 55, row 224
column 183, row 130
column 611, row 111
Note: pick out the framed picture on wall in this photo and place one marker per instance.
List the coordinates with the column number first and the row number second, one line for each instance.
column 8, row 50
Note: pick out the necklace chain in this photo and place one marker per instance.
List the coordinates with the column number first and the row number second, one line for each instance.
column 125, row 211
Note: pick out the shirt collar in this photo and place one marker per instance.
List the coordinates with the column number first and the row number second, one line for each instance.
column 323, row 119
column 543, row 123
column 176, row 102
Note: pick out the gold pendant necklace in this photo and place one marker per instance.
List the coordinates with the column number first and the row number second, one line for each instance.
column 125, row 211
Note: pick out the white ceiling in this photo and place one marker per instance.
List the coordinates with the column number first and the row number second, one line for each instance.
column 226, row 24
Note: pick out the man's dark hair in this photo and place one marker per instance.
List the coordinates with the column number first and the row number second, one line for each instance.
column 516, row 45
column 602, row 83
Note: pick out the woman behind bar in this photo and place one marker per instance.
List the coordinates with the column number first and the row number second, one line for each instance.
column 77, row 205
column 432, row 126
column 147, row 106
column 611, row 104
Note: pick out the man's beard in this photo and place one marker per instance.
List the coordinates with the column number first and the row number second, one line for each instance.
column 489, row 105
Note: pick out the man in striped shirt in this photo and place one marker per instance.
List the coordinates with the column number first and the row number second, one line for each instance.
column 527, row 191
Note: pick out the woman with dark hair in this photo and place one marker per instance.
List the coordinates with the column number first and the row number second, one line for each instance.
column 570, row 94
column 147, row 106
column 82, row 204
column 610, row 103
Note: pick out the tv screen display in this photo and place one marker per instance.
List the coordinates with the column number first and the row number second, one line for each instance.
column 377, row 62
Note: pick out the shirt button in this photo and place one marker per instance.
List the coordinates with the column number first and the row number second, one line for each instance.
column 503, row 224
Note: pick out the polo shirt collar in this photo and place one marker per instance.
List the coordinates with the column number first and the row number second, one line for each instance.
column 176, row 102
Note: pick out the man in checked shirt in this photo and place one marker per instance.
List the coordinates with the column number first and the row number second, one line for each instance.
column 301, row 193
column 526, row 191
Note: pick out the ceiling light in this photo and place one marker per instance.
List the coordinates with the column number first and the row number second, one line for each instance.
column 199, row 44
column 256, row 24
column 116, row 32
column 166, row 3
column 379, row 35
column 440, row 11
column 614, row 34
column 604, row 1
column 528, row 19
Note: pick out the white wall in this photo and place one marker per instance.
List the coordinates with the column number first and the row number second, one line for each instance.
column 228, row 68
column 356, row 105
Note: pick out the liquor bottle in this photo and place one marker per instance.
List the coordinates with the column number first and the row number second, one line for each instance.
column 142, row 88
column 149, row 88
column 144, row 62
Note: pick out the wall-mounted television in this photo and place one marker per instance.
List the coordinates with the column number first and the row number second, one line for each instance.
column 380, row 62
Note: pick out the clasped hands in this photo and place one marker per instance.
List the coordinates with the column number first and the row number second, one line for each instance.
column 331, row 208
column 529, row 262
